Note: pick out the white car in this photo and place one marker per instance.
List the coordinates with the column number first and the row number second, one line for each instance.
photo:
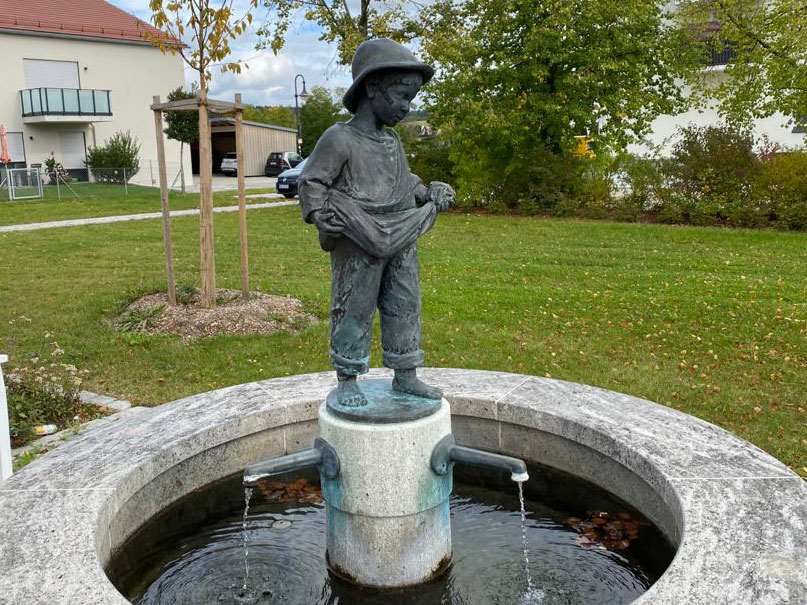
column 229, row 165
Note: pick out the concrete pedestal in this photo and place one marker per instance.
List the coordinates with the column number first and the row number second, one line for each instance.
column 387, row 513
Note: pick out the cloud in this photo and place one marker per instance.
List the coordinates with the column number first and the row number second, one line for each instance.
column 262, row 77
column 269, row 80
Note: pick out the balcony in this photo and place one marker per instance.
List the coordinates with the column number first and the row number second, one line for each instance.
column 40, row 105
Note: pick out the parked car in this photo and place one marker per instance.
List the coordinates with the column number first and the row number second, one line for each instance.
column 279, row 161
column 287, row 181
column 229, row 165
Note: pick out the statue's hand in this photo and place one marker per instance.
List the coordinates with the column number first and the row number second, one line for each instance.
column 441, row 194
column 327, row 222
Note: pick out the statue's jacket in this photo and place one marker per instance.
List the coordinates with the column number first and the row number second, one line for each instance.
column 366, row 182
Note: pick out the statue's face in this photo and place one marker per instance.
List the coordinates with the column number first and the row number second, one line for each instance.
column 392, row 96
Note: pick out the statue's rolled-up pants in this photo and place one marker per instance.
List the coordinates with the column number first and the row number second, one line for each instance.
column 360, row 283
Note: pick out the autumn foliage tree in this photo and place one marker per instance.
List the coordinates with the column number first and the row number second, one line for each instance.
column 207, row 27
column 201, row 31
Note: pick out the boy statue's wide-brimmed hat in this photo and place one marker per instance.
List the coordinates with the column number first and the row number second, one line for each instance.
column 374, row 55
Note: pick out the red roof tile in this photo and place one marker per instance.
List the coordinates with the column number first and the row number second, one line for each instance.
column 83, row 18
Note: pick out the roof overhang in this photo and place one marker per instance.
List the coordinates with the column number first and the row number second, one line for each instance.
column 56, row 119
column 80, row 37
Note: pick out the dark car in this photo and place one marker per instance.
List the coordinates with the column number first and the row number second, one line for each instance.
column 287, row 181
column 280, row 161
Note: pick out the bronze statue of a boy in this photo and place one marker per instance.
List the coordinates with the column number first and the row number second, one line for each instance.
column 369, row 209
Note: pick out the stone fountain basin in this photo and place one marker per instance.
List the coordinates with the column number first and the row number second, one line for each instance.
column 737, row 515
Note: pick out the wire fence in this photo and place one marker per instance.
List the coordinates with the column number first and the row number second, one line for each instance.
column 41, row 182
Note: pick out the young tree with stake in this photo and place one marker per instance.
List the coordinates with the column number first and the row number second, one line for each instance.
column 211, row 26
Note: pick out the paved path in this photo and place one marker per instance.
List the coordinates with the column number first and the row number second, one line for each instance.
column 132, row 217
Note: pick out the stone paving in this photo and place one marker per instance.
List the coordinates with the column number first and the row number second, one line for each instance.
column 139, row 217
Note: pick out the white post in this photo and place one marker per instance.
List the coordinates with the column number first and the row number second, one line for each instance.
column 5, row 434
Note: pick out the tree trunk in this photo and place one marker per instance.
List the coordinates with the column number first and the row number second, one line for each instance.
column 364, row 15
column 207, row 265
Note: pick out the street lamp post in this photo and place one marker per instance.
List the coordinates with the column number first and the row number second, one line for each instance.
column 303, row 97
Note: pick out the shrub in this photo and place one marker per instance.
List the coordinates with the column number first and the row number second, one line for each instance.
column 595, row 199
column 641, row 183
column 544, row 182
column 795, row 216
column 711, row 168
column 781, row 186
column 118, row 156
column 501, row 178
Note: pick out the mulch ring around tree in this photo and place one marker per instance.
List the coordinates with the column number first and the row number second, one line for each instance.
column 260, row 314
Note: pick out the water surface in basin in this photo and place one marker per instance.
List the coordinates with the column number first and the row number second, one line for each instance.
column 584, row 546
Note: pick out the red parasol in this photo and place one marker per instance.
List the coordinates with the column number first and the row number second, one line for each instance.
column 5, row 158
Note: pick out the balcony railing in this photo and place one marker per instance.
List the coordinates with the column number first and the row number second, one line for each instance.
column 65, row 102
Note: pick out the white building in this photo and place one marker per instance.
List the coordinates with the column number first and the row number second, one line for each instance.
column 777, row 128
column 74, row 73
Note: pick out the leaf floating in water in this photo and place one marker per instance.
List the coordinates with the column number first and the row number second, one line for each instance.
column 602, row 530
column 299, row 490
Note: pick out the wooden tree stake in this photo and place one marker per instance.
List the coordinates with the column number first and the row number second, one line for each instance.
column 242, row 206
column 206, row 242
column 169, row 252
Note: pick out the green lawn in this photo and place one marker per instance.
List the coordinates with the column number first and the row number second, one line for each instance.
column 105, row 200
column 709, row 321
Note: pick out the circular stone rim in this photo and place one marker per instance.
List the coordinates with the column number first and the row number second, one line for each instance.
column 738, row 512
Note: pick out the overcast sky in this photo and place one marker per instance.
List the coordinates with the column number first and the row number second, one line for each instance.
column 270, row 78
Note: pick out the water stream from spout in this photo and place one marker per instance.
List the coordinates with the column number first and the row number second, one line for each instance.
column 532, row 595
column 247, row 498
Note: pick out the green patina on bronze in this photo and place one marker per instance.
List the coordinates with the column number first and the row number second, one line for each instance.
column 369, row 209
column 384, row 405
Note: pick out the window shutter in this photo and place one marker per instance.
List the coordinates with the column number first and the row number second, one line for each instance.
column 50, row 74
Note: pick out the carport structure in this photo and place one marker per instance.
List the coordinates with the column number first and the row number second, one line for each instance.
column 259, row 141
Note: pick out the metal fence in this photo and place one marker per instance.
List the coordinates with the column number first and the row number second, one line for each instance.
column 20, row 183
column 41, row 182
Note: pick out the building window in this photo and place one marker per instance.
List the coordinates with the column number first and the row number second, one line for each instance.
column 50, row 74
column 16, row 149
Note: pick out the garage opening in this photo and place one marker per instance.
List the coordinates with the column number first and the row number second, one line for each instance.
column 259, row 141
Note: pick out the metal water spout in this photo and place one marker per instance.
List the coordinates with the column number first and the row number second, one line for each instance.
column 446, row 453
column 322, row 456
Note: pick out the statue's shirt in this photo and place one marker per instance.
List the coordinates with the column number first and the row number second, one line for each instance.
column 366, row 181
